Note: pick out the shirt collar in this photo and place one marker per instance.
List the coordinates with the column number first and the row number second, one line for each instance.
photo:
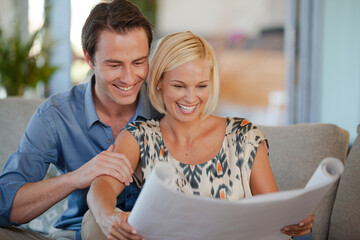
column 143, row 110
column 90, row 111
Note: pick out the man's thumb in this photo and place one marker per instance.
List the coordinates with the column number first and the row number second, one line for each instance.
column 111, row 148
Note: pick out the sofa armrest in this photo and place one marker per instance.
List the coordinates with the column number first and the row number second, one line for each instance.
column 295, row 153
column 15, row 113
column 345, row 218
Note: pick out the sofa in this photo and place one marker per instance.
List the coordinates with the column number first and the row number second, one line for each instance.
column 295, row 152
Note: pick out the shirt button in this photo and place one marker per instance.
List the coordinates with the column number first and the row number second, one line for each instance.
column 109, row 140
column 128, row 196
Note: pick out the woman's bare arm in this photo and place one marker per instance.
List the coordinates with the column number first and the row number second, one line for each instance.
column 105, row 189
column 262, row 181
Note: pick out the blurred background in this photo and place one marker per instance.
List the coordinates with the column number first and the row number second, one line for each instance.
column 281, row 61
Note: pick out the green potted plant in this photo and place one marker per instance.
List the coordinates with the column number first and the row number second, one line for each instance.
column 20, row 67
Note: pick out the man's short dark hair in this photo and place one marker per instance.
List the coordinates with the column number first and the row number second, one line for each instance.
column 119, row 16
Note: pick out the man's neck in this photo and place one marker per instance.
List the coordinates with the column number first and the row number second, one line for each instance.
column 113, row 114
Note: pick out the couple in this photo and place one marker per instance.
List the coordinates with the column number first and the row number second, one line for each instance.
column 75, row 130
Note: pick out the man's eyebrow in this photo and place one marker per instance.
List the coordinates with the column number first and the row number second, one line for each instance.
column 117, row 61
column 112, row 61
column 141, row 58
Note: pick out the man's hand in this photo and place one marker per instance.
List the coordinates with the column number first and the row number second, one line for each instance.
column 115, row 226
column 105, row 163
column 300, row 229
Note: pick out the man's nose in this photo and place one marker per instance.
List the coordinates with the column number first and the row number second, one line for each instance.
column 128, row 75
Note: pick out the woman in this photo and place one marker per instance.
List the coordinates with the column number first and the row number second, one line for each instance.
column 215, row 157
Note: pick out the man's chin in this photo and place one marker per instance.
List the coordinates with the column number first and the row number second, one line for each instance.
column 125, row 101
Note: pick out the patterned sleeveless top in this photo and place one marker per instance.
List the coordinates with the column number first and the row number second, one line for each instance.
column 226, row 176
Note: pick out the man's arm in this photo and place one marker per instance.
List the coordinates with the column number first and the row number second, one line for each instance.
column 24, row 192
column 32, row 199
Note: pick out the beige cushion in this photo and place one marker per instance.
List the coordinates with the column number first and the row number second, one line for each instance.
column 15, row 114
column 296, row 151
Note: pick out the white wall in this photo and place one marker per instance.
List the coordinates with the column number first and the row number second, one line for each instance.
column 340, row 82
column 208, row 17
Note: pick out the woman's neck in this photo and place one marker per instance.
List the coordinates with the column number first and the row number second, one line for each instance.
column 182, row 132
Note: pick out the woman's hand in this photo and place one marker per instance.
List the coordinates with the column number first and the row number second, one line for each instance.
column 300, row 229
column 115, row 226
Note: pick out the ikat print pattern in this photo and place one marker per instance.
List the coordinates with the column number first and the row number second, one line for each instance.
column 226, row 176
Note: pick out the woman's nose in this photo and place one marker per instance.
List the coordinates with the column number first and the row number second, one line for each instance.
column 190, row 95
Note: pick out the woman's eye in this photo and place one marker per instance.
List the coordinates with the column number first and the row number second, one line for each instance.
column 203, row 86
column 177, row 86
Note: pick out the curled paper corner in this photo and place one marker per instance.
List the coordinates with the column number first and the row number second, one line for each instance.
column 332, row 166
column 328, row 171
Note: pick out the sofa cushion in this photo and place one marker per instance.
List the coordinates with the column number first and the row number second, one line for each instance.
column 295, row 153
column 345, row 218
column 15, row 114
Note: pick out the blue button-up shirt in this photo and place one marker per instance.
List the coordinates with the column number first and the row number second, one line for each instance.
column 66, row 131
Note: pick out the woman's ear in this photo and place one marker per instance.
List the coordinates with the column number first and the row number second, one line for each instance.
column 88, row 59
column 158, row 86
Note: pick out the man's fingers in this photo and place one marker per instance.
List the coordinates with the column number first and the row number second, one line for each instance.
column 116, row 170
column 120, row 176
column 117, row 161
column 118, row 158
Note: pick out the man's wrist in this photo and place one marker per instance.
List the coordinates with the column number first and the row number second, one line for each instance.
column 70, row 180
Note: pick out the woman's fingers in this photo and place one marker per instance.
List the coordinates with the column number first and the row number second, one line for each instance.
column 300, row 229
column 122, row 230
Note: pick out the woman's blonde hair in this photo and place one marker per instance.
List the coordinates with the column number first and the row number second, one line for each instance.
column 173, row 50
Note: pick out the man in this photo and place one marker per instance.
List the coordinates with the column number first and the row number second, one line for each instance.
column 75, row 130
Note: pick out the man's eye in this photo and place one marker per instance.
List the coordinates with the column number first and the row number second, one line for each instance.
column 113, row 66
column 139, row 63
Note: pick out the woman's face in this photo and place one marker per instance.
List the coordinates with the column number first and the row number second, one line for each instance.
column 186, row 90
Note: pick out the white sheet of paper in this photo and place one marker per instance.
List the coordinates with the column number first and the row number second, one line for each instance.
column 163, row 213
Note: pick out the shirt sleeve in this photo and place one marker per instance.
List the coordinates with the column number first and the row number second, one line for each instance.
column 36, row 150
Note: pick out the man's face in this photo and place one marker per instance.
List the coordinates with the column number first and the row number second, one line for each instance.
column 121, row 66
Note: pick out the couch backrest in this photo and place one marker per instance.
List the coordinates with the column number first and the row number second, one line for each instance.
column 345, row 218
column 295, row 153
column 15, row 113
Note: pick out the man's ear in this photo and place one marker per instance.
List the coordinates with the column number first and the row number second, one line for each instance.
column 88, row 59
